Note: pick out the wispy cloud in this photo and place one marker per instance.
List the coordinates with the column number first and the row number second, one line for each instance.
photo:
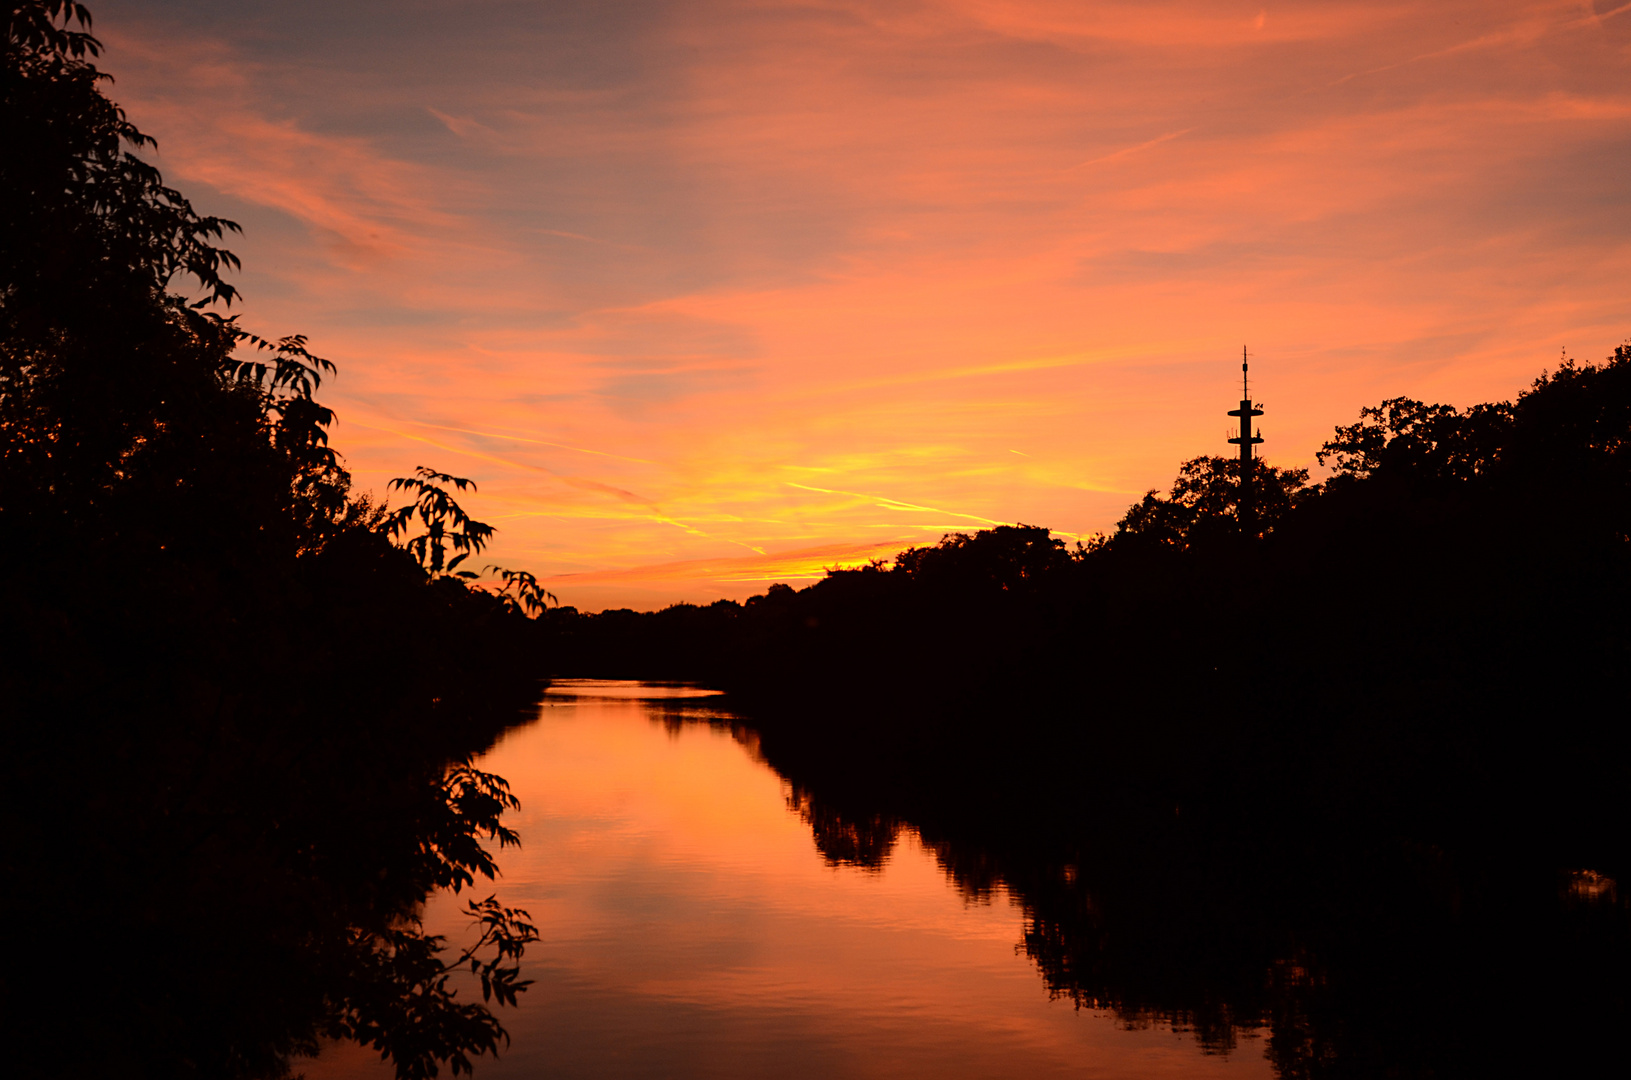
column 1157, row 141
column 896, row 504
column 997, row 255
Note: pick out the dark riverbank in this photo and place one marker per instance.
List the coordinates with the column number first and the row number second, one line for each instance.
column 1356, row 778
column 235, row 709
column 1434, row 636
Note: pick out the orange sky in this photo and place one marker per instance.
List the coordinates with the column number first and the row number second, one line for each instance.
column 711, row 294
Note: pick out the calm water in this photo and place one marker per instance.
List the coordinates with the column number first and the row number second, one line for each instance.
column 691, row 928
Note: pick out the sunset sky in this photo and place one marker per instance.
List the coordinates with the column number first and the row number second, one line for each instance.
column 707, row 295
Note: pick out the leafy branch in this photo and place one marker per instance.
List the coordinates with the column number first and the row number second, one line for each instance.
column 400, row 997
column 522, row 592
column 473, row 802
column 446, row 524
column 152, row 225
column 509, row 933
column 403, row 1006
column 285, row 381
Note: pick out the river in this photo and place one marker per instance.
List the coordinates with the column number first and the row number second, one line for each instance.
column 691, row 927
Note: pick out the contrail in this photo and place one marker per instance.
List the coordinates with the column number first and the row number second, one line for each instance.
column 895, row 504
column 538, row 442
column 618, row 493
column 1157, row 141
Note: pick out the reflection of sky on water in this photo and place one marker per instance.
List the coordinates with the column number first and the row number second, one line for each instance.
column 691, row 929
column 625, row 689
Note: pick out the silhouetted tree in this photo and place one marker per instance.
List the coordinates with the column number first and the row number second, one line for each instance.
column 1429, row 442
column 238, row 718
column 1004, row 557
column 1204, row 505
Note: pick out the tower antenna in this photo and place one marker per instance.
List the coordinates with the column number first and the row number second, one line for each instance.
column 1246, row 440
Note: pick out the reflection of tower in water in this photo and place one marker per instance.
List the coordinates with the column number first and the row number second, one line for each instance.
column 1246, row 440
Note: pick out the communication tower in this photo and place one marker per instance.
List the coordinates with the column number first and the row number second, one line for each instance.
column 1246, row 440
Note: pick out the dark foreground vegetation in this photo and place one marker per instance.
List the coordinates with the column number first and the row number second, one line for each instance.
column 236, row 713
column 1356, row 779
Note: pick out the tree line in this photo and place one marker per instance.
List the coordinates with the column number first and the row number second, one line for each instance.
column 1434, row 633
column 1454, row 560
column 1351, row 780
column 241, row 698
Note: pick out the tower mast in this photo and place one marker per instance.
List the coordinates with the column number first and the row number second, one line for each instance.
column 1246, row 440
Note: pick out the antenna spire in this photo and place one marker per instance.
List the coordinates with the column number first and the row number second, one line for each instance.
column 1246, row 440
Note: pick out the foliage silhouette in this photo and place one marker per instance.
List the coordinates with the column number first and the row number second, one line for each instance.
column 1330, row 781
column 1204, row 505
column 520, row 590
column 239, row 720
column 445, row 523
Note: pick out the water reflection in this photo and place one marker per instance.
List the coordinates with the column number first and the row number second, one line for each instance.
column 628, row 690
column 1335, row 948
column 691, row 928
